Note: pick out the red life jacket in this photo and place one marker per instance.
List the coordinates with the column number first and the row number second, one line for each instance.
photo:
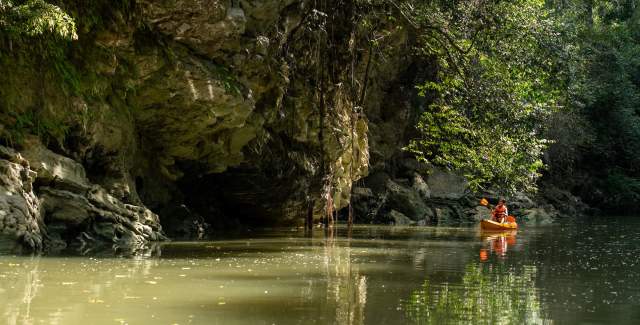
column 500, row 211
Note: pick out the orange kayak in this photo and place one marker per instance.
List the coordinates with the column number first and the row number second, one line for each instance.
column 492, row 225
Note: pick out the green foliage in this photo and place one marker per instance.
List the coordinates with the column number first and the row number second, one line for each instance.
column 68, row 73
column 228, row 80
column 46, row 128
column 43, row 30
column 603, row 93
column 624, row 191
column 40, row 35
column 36, row 18
column 495, row 87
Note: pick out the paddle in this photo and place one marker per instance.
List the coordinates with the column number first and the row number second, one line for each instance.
column 485, row 203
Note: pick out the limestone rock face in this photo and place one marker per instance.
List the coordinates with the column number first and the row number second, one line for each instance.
column 51, row 167
column 240, row 111
column 234, row 113
column 20, row 217
column 77, row 211
column 64, row 208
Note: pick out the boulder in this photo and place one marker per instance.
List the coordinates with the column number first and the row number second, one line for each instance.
column 444, row 215
column 377, row 182
column 406, row 200
column 564, row 201
column 399, row 219
column 98, row 216
column 520, row 201
column 446, row 185
column 540, row 216
column 52, row 167
column 420, row 186
column 366, row 205
column 478, row 213
column 65, row 207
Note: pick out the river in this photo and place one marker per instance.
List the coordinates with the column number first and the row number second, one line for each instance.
column 578, row 272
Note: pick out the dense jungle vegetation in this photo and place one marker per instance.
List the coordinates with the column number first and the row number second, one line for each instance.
column 525, row 89
column 533, row 88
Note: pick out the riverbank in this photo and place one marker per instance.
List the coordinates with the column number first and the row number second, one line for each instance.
column 48, row 201
column 410, row 193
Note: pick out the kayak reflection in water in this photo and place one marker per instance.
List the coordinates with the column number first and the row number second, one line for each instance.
column 497, row 243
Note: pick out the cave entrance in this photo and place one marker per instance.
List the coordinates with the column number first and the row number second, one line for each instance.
column 245, row 196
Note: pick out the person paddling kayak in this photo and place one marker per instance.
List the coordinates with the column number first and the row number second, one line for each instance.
column 500, row 212
column 500, row 218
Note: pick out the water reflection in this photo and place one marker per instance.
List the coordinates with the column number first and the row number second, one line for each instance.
column 380, row 275
column 487, row 294
column 24, row 290
column 346, row 287
column 37, row 289
column 496, row 242
column 228, row 282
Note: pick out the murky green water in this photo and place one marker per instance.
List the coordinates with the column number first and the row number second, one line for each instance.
column 576, row 273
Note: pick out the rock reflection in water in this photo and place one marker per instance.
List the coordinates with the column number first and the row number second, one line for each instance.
column 234, row 282
column 23, row 288
column 345, row 286
column 65, row 290
column 487, row 295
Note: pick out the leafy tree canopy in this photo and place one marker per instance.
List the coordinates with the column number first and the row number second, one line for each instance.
column 600, row 159
column 35, row 18
column 497, row 82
